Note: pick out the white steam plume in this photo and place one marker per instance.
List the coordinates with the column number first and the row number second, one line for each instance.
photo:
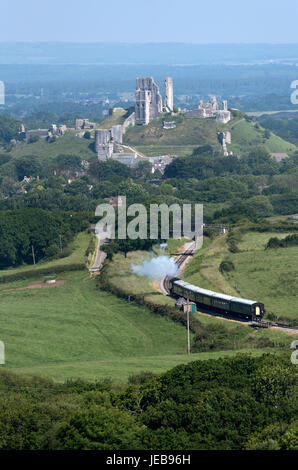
column 156, row 268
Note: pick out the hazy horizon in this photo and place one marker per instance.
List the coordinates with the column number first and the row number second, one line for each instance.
column 178, row 54
column 193, row 22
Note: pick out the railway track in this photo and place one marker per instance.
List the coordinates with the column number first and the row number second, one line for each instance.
column 181, row 259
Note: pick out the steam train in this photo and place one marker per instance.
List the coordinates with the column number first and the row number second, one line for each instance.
column 244, row 308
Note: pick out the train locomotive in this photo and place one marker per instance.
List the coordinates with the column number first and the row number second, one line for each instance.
column 227, row 304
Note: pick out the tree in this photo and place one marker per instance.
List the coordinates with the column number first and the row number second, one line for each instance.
column 272, row 383
column 267, row 134
column 27, row 166
column 100, row 428
column 9, row 128
column 87, row 135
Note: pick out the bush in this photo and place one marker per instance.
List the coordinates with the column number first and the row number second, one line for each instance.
column 33, row 138
column 226, row 266
column 274, row 242
column 233, row 248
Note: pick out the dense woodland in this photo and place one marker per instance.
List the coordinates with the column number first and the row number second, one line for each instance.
column 32, row 235
column 238, row 403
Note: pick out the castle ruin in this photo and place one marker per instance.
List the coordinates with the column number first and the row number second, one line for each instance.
column 210, row 109
column 148, row 101
column 106, row 141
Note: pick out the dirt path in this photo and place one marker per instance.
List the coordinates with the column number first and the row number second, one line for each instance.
column 36, row 285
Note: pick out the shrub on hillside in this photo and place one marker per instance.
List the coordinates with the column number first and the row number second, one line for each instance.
column 226, row 266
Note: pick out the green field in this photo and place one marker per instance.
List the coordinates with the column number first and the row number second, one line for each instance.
column 246, row 137
column 203, row 269
column 158, row 150
column 77, row 329
column 119, row 370
column 269, row 275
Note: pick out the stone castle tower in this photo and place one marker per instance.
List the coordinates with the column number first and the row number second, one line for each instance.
column 169, row 98
column 148, row 101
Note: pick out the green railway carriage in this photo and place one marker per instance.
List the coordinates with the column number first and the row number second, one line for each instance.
column 243, row 308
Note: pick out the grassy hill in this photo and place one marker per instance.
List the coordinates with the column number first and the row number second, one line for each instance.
column 245, row 136
column 67, row 145
column 78, row 331
column 153, row 140
column 270, row 275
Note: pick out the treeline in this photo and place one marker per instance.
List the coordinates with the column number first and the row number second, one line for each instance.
column 8, row 129
column 207, row 165
column 225, row 404
column 31, row 235
column 33, row 166
column 124, row 246
column 251, row 187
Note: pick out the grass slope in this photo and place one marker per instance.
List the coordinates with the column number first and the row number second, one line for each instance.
column 245, row 137
column 77, row 322
column 190, row 133
column 65, row 145
column 267, row 276
column 120, row 369
column 270, row 275
column 118, row 117
column 79, row 247
column 153, row 140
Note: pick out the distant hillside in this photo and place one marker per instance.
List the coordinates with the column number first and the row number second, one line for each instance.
column 144, row 53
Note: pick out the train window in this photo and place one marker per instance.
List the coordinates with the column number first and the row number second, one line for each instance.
column 257, row 310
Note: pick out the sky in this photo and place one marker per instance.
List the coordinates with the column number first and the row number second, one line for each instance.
column 190, row 21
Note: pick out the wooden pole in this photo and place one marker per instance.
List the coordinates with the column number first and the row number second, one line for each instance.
column 60, row 238
column 33, row 254
column 188, row 336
